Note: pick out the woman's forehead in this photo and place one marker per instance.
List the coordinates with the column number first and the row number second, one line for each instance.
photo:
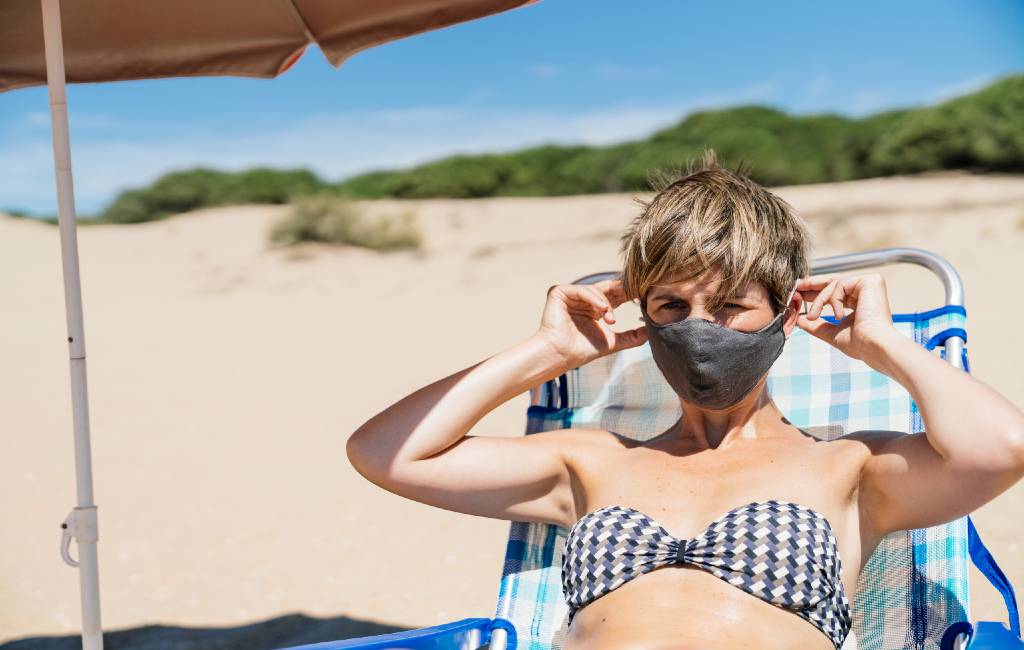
column 706, row 284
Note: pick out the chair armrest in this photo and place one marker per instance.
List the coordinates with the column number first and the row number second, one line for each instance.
column 982, row 635
column 465, row 634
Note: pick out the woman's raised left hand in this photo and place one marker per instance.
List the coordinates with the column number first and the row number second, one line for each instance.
column 860, row 329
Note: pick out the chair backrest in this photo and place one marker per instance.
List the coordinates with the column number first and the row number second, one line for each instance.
column 914, row 585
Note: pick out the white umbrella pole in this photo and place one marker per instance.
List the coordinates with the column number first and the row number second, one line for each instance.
column 81, row 523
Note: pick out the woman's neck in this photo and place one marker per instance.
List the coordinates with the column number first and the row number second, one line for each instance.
column 753, row 419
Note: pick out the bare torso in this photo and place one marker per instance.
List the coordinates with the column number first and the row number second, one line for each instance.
column 685, row 489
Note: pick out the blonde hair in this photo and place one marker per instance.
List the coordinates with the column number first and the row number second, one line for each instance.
column 711, row 217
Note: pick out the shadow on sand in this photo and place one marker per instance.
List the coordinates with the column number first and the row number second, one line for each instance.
column 280, row 632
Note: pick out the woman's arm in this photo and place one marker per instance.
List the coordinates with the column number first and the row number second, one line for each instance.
column 418, row 447
column 972, row 446
column 970, row 452
column 436, row 416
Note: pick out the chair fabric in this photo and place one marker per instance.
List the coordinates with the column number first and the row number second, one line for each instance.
column 914, row 585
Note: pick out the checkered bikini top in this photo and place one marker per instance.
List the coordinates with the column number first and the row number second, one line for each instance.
column 782, row 552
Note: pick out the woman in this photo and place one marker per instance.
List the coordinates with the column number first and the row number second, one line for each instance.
column 733, row 524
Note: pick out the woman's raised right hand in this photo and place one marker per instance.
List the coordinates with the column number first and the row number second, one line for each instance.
column 577, row 321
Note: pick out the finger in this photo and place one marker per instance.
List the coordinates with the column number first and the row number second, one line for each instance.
column 850, row 287
column 612, row 291
column 835, row 300
column 837, row 307
column 819, row 301
column 808, row 295
column 604, row 305
column 810, row 288
column 816, row 281
column 600, row 307
column 582, row 301
column 629, row 338
column 818, row 328
column 850, row 290
column 583, row 308
column 611, row 298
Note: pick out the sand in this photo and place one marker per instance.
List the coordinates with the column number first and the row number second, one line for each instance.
column 225, row 376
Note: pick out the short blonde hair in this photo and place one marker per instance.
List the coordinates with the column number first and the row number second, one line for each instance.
column 711, row 217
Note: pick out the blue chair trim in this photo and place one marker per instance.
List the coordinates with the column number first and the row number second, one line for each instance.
column 980, row 555
column 916, row 316
column 940, row 338
column 988, row 567
column 990, row 635
column 984, row 635
column 919, row 587
column 931, row 313
column 456, row 634
column 952, row 632
column 502, row 624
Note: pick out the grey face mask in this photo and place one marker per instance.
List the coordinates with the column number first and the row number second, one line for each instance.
column 711, row 365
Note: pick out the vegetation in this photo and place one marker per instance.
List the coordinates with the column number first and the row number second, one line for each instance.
column 332, row 219
column 191, row 189
column 983, row 131
column 22, row 214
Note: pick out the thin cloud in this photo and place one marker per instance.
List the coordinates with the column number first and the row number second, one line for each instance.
column 618, row 72
column 41, row 120
column 867, row 101
column 761, row 91
column 545, row 70
column 962, row 88
column 335, row 145
column 818, row 86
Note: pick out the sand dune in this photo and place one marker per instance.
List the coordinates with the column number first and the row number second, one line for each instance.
column 225, row 377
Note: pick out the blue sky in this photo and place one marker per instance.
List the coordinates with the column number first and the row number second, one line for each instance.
column 568, row 71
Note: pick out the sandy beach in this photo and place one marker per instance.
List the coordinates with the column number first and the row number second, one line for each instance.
column 225, row 376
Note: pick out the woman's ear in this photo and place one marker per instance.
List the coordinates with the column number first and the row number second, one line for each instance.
column 793, row 308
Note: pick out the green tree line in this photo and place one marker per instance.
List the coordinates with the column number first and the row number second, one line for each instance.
column 982, row 131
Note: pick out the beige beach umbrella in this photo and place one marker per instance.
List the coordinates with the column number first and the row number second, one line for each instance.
column 44, row 42
column 115, row 40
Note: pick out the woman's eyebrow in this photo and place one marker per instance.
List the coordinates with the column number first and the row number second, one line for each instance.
column 667, row 293
column 664, row 294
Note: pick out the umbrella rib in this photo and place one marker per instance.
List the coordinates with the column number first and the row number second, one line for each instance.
column 310, row 36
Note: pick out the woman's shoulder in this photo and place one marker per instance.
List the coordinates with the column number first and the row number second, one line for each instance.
column 585, row 448
column 594, row 439
column 863, row 443
column 585, row 441
column 847, row 452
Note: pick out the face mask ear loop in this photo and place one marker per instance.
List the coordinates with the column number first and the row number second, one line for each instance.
column 791, row 294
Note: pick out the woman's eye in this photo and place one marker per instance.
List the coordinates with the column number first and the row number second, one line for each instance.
column 675, row 304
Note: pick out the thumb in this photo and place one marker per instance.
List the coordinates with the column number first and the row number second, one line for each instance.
column 819, row 327
column 629, row 338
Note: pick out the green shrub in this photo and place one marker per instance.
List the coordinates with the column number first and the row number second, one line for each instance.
column 25, row 214
column 981, row 131
column 333, row 219
column 191, row 189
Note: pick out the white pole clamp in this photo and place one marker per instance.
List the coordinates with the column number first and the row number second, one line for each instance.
column 83, row 525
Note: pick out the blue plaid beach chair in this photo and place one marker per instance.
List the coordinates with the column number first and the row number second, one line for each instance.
column 913, row 593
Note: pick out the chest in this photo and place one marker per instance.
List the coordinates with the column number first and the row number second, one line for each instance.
column 664, row 496
column 686, row 492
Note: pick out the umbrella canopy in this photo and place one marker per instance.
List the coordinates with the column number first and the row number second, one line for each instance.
column 113, row 40
column 42, row 42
